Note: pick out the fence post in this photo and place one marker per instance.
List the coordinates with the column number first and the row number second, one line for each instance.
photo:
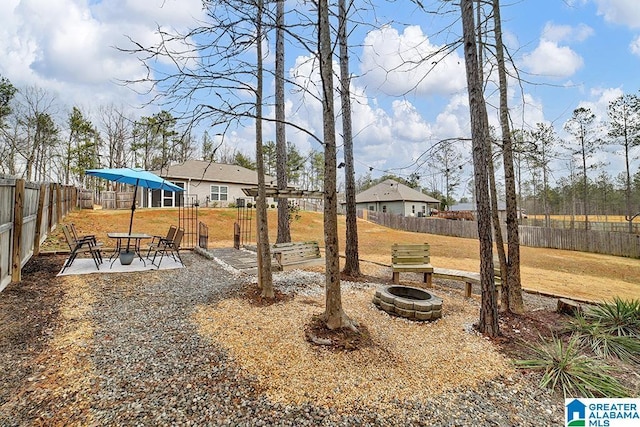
column 51, row 187
column 18, row 207
column 38, row 233
column 59, row 203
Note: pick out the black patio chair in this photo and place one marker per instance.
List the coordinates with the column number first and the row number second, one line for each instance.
column 169, row 247
column 80, row 247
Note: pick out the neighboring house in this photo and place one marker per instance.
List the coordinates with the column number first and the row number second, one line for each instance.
column 212, row 184
column 393, row 197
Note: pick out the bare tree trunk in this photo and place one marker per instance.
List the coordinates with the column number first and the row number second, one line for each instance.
column 284, row 231
column 334, row 315
column 512, row 283
column 585, row 188
column 495, row 212
column 627, row 185
column 352, row 262
column 488, row 323
column 265, row 279
column 545, row 189
column 497, row 229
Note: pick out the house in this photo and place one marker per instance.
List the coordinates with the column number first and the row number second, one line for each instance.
column 210, row 184
column 393, row 197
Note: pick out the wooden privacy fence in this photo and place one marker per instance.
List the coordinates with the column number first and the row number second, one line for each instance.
column 602, row 242
column 28, row 212
column 107, row 199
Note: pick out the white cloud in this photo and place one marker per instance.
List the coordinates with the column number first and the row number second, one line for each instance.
column 566, row 33
column 599, row 101
column 551, row 60
column 408, row 123
column 623, row 12
column 634, row 46
column 453, row 121
column 397, row 64
column 69, row 46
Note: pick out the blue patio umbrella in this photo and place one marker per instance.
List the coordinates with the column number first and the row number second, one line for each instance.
column 136, row 177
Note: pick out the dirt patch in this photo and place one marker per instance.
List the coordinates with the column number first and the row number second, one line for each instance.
column 518, row 332
column 29, row 315
column 341, row 339
column 254, row 295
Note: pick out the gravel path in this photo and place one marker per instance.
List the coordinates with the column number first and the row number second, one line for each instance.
column 146, row 364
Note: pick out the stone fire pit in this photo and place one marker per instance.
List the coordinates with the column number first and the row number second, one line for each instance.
column 406, row 301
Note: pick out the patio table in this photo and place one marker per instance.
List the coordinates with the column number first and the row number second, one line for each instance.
column 134, row 240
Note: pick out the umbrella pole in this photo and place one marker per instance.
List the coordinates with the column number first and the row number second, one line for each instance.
column 133, row 209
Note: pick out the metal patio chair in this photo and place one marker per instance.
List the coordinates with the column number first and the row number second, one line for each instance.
column 80, row 247
column 169, row 247
column 160, row 240
column 86, row 237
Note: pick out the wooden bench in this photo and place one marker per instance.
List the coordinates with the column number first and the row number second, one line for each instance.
column 411, row 258
column 469, row 278
column 289, row 256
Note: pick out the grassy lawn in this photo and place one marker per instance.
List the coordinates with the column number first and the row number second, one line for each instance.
column 568, row 273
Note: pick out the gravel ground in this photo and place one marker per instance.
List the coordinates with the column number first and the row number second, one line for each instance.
column 126, row 351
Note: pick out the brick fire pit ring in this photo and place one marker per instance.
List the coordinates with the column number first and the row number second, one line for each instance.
column 409, row 302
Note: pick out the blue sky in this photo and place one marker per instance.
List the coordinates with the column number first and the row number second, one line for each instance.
column 573, row 53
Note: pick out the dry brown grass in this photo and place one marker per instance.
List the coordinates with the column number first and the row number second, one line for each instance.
column 580, row 218
column 567, row 273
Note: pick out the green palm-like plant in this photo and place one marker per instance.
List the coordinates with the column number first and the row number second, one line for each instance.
column 590, row 334
column 567, row 369
column 619, row 318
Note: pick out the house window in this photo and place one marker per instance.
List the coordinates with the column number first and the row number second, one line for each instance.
column 424, row 210
column 413, row 208
column 167, row 199
column 219, row 192
column 372, row 208
column 384, row 208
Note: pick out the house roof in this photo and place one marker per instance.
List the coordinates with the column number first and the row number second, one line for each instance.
column 214, row 172
column 393, row 191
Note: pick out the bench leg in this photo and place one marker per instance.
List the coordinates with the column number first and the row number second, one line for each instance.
column 396, row 277
column 427, row 280
column 467, row 289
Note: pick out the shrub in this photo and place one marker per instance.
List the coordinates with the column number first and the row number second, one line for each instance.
column 619, row 318
column 567, row 369
column 592, row 335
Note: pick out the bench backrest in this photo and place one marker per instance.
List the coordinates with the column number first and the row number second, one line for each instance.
column 287, row 253
column 410, row 254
